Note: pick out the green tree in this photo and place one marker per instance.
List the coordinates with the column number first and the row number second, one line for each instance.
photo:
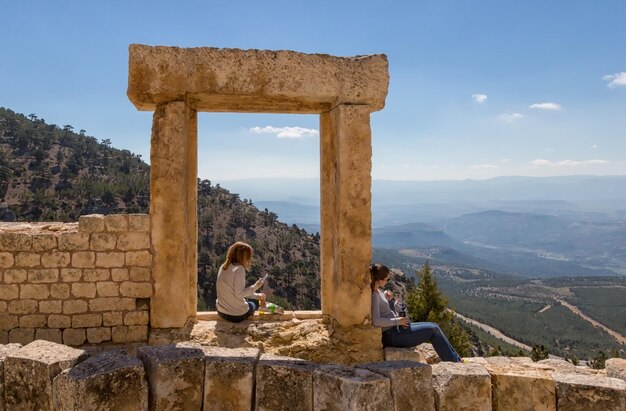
column 426, row 303
column 539, row 352
column 598, row 361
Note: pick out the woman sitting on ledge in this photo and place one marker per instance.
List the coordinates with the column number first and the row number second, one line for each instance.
column 231, row 285
column 397, row 332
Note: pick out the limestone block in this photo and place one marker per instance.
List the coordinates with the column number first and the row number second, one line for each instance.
column 118, row 334
column 70, row 275
column 4, row 337
column 92, row 223
column 461, row 386
column 55, row 259
column 29, row 373
column 34, row 291
column 59, row 321
column 116, row 222
column 74, row 306
column 9, row 292
column 403, row 354
column 5, row 351
column 48, row 334
column 51, row 307
column 411, row 383
column 616, row 368
column 112, row 304
column 6, row 260
column 110, row 260
column 133, row 241
column 254, row 80
column 284, row 383
column 84, row 290
column 33, row 321
column 138, row 258
column 8, row 321
column 15, row 241
column 137, row 333
column 175, row 375
column 86, row 320
column 112, row 318
column 136, row 318
column 22, row 335
column 589, row 393
column 347, row 388
column 83, row 259
column 103, row 241
column 139, row 274
column 93, row 275
column 111, row 380
column 516, row 387
column 107, row 289
column 119, row 274
column 4, row 307
column 74, row 336
column 139, row 222
column 137, row 290
column 46, row 275
column 23, row 307
column 15, row 276
column 229, row 378
column 98, row 335
column 73, row 241
column 61, row 291
column 43, row 242
column 27, row 259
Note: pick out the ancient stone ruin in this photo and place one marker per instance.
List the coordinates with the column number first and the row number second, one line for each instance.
column 101, row 314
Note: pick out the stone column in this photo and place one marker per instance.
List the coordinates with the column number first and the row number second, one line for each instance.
column 173, row 204
column 346, row 230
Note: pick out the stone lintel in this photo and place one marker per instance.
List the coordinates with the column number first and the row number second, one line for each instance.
column 259, row 81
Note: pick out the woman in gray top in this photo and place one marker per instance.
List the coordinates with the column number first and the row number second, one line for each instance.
column 397, row 331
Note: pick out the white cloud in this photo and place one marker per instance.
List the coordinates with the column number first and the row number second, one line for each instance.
column 546, row 106
column 286, row 132
column 510, row 117
column 485, row 166
column 615, row 80
column 567, row 163
column 594, row 146
column 505, row 160
column 479, row 98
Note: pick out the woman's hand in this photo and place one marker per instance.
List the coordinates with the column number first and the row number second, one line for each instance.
column 259, row 283
column 403, row 321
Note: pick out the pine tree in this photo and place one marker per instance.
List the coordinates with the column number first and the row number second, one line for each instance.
column 426, row 303
column 539, row 352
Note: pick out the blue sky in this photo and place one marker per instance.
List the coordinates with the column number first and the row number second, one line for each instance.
column 478, row 88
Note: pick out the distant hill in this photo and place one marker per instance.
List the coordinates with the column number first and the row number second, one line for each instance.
column 51, row 173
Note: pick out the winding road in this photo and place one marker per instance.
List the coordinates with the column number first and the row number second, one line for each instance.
column 619, row 337
column 493, row 331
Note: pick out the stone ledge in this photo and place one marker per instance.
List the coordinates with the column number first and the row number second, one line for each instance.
column 287, row 316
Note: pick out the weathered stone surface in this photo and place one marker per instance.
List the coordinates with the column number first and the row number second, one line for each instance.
column 339, row 387
column 15, row 276
column 27, row 259
column 284, row 383
column 50, row 307
column 589, row 393
column 55, row 259
column 60, row 291
column 74, row 336
column 22, row 335
column 73, row 241
column 516, row 387
column 229, row 378
column 43, row 242
column 29, row 373
column 34, row 291
column 54, row 335
column 5, row 351
column 139, row 222
column 254, row 80
column 83, row 259
column 116, row 222
column 133, row 241
column 84, row 290
column 111, row 380
column 103, row 241
column 403, row 354
column 411, row 384
column 92, row 223
column 175, row 375
column 461, row 386
column 616, row 368
column 6, row 260
column 15, row 242
column 108, row 289
column 137, row 290
column 110, row 260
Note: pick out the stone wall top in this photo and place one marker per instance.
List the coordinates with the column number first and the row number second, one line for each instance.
column 261, row 81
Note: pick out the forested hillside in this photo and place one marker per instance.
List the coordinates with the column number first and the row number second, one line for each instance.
column 51, row 173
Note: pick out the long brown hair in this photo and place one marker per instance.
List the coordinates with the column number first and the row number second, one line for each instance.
column 238, row 253
column 378, row 272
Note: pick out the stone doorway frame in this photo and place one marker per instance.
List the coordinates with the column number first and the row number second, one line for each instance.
column 176, row 83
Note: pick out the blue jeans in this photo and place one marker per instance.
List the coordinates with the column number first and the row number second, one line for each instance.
column 418, row 333
column 239, row 318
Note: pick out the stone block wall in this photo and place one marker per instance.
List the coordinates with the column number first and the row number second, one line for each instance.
column 77, row 283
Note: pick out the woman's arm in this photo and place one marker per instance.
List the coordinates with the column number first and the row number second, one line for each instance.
column 239, row 286
column 377, row 320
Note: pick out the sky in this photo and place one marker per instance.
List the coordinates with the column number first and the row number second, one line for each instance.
column 478, row 89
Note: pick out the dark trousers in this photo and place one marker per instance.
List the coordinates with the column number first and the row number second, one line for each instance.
column 418, row 333
column 239, row 318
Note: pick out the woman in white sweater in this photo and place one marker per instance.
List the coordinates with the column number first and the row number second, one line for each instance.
column 231, row 285
column 397, row 331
